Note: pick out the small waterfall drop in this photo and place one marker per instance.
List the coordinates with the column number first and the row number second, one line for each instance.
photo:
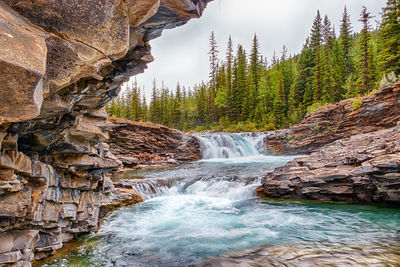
column 231, row 145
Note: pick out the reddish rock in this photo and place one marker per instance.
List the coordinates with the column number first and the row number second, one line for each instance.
column 364, row 168
column 137, row 143
column 377, row 112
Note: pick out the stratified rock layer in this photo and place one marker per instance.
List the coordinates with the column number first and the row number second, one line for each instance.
column 364, row 168
column 60, row 63
column 136, row 143
column 341, row 120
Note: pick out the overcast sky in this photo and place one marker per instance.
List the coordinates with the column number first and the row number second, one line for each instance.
column 181, row 54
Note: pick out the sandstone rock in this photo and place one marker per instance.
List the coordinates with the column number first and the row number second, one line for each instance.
column 23, row 164
column 25, row 239
column 15, row 204
column 6, row 242
column 10, row 257
column 140, row 11
column 353, row 170
column 22, row 67
column 9, row 141
column 338, row 121
column 45, row 171
column 102, row 25
column 137, row 143
column 61, row 62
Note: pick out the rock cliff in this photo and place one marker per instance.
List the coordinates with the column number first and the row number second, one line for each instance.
column 341, row 120
column 363, row 168
column 60, row 63
column 136, row 143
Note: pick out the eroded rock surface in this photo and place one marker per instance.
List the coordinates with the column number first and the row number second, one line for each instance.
column 364, row 168
column 136, row 143
column 341, row 120
column 60, row 63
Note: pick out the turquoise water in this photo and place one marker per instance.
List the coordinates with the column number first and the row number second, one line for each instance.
column 209, row 207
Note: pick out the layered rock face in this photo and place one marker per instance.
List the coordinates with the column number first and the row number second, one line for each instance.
column 136, row 143
column 60, row 63
column 364, row 168
column 338, row 121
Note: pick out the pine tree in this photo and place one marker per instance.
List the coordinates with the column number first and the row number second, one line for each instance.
column 327, row 31
column 366, row 78
column 389, row 38
column 240, row 84
column 318, row 76
column 213, row 53
column 229, row 72
column 316, row 32
column 346, row 41
column 279, row 102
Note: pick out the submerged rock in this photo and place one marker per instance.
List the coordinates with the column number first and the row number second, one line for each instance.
column 307, row 255
column 364, row 168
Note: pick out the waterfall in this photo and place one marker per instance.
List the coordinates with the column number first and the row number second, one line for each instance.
column 231, row 145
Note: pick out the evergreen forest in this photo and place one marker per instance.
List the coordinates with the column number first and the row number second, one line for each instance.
column 248, row 92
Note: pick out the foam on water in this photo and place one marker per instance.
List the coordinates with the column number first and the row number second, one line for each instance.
column 209, row 207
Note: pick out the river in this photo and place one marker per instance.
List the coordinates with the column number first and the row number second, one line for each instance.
column 209, row 207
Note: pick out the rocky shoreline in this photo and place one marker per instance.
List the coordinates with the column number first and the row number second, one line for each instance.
column 141, row 145
column 364, row 168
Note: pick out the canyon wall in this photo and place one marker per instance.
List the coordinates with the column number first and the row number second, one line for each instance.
column 341, row 120
column 60, row 63
column 363, row 168
column 138, row 143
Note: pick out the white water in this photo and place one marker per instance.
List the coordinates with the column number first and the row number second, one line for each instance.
column 230, row 145
column 209, row 207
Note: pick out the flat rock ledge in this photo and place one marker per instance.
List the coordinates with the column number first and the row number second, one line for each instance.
column 363, row 168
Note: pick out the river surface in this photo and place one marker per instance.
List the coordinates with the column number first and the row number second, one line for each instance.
column 209, row 207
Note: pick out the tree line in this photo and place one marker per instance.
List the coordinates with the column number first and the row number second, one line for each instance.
column 247, row 92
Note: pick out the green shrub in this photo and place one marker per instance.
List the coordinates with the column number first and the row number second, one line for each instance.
column 356, row 103
column 314, row 107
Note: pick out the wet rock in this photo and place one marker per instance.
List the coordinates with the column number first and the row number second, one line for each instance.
column 334, row 122
column 356, row 169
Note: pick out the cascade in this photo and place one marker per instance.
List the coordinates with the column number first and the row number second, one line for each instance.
column 231, row 145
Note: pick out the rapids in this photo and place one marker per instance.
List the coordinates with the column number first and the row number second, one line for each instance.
column 209, row 208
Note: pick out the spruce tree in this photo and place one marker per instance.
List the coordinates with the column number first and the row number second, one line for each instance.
column 389, row 38
column 318, row 76
column 327, row 31
column 229, row 72
column 316, row 32
column 346, row 41
column 366, row 72
column 279, row 102
column 213, row 53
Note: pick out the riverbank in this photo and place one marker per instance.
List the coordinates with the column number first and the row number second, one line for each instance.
column 149, row 145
